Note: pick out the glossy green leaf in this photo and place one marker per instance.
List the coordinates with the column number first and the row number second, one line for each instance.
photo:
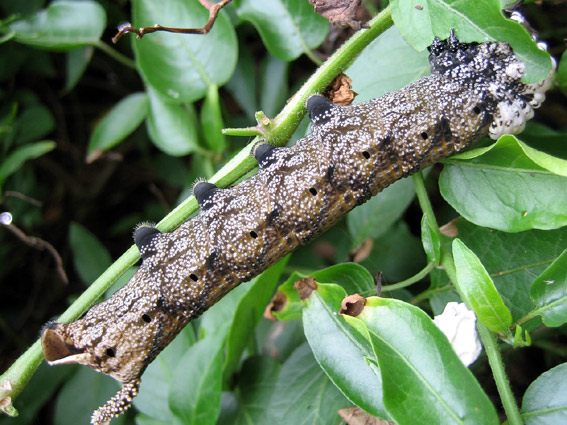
column 182, row 67
column 34, row 123
column 249, row 311
column 545, row 400
column 246, row 406
column 16, row 159
column 399, row 65
column 172, row 127
column 90, row 257
column 120, row 121
column 303, row 394
column 242, row 84
column 62, row 25
column 480, row 294
column 424, row 381
column 274, row 90
column 345, row 355
column 523, row 153
column 431, row 240
column 211, row 120
column 561, row 76
column 376, row 216
column 86, row 391
column 549, row 292
column 76, row 63
column 474, row 21
column 195, row 394
column 485, row 191
column 288, row 27
column 152, row 399
column 352, row 277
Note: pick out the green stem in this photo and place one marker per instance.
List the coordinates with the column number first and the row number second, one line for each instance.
column 410, row 281
column 115, row 54
column 446, row 260
column 314, row 58
column 495, row 360
column 246, row 131
column 285, row 124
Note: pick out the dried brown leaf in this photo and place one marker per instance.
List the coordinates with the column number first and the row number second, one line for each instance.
column 357, row 416
column 305, row 287
column 338, row 12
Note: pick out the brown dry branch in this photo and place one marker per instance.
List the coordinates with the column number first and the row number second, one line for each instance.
column 213, row 8
column 39, row 244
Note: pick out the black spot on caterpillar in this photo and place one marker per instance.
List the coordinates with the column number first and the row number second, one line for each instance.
column 352, row 154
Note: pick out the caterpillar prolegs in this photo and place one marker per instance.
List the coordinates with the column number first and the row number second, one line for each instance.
column 352, row 153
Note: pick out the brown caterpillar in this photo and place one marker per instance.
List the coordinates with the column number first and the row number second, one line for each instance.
column 299, row 192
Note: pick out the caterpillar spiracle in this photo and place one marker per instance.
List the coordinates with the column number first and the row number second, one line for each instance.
column 352, row 153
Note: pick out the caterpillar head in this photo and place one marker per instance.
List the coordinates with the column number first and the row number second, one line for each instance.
column 491, row 69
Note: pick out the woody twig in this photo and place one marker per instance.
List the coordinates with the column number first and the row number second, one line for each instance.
column 213, row 8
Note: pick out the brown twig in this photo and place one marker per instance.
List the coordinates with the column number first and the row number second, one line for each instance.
column 40, row 244
column 11, row 193
column 213, row 8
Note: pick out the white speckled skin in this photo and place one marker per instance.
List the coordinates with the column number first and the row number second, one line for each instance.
column 352, row 153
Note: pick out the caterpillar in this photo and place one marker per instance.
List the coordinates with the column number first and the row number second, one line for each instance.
column 353, row 152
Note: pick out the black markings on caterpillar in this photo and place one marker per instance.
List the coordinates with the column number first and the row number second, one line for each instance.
column 299, row 192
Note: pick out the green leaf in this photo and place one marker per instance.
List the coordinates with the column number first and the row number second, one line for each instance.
column 63, row 25
column 399, row 65
column 479, row 21
column 16, row 159
column 485, row 189
column 561, row 76
column 376, row 216
column 274, row 89
column 35, row 122
column 249, row 311
column 158, row 377
column 120, row 121
column 480, row 294
column 242, row 84
column 182, row 67
column 545, row 400
column 195, row 394
column 172, row 127
column 424, row 381
column 82, row 394
column 549, row 292
column 254, row 391
column 304, row 395
column 90, row 257
column 523, row 153
column 345, row 355
column 288, row 27
column 76, row 63
column 211, row 120
column 431, row 240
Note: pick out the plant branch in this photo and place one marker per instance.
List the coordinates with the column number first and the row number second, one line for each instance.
column 495, row 360
column 410, row 281
column 115, row 54
column 214, row 9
